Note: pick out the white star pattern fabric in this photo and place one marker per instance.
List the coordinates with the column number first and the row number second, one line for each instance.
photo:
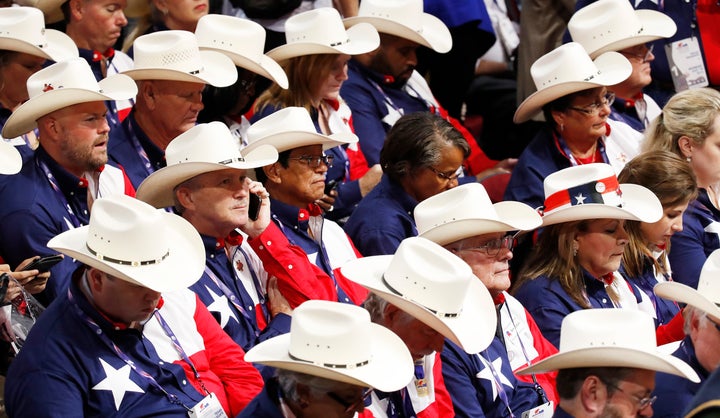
column 580, row 199
column 221, row 305
column 487, row 374
column 118, row 382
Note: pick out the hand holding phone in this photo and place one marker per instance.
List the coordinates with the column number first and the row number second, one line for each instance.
column 254, row 206
column 44, row 264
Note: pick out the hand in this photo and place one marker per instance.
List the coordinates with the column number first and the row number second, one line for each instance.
column 370, row 179
column 276, row 301
column 327, row 201
column 256, row 227
column 32, row 280
column 504, row 166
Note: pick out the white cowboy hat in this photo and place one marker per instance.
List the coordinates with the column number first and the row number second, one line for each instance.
column 174, row 55
column 610, row 338
column 321, row 31
column 613, row 25
column 242, row 41
column 568, row 69
column 337, row 341
column 202, row 149
column 405, row 19
column 63, row 84
column 290, row 128
column 434, row 286
column 592, row 191
column 707, row 295
column 22, row 29
column 10, row 158
column 466, row 211
column 135, row 242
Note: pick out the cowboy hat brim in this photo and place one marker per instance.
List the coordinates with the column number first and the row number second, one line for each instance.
column 10, row 158
column 59, row 46
column 613, row 357
column 217, row 70
column 682, row 293
column 513, row 216
column 390, row 367
column 265, row 66
column 181, row 268
column 24, row 118
column 655, row 25
column 434, row 34
column 613, row 69
column 362, row 38
column 639, row 204
column 473, row 329
column 158, row 188
column 288, row 140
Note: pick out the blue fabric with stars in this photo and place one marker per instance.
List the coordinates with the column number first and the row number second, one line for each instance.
column 122, row 150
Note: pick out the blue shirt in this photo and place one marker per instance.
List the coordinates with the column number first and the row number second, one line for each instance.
column 266, row 404
column 137, row 162
column 382, row 219
column 473, row 386
column 691, row 246
column 665, row 310
column 675, row 392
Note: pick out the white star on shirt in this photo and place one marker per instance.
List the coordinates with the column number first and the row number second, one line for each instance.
column 486, row 373
column 118, row 382
column 580, row 199
column 221, row 305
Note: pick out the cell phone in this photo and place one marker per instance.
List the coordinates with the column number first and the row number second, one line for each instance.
column 44, row 264
column 332, row 185
column 254, row 206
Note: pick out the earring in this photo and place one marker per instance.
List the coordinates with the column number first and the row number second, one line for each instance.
column 562, row 127
column 575, row 250
column 688, row 159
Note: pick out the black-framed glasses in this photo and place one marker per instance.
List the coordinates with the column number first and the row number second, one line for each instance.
column 314, row 161
column 351, row 406
column 445, row 176
column 593, row 109
column 494, row 247
column 642, row 57
column 642, row 402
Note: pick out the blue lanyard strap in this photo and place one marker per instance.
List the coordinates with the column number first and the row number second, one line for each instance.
column 232, row 298
column 498, row 383
column 139, row 149
column 59, row 194
column 262, row 300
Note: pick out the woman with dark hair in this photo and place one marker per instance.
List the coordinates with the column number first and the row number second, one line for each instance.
column 422, row 156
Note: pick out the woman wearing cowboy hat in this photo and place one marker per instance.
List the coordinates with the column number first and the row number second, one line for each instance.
column 689, row 126
column 315, row 58
column 575, row 262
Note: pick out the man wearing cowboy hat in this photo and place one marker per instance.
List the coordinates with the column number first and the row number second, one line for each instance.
column 127, row 338
column 171, row 73
column 464, row 221
column 383, row 85
column 296, row 181
column 206, row 181
column 327, row 362
column 424, row 294
column 55, row 189
column 608, row 369
column 702, row 330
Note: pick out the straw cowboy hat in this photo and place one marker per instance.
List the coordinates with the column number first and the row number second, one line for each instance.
column 405, row 19
column 291, row 128
column 321, row 31
column 434, row 286
column 10, row 158
column 707, row 295
column 135, row 242
column 22, row 29
column 610, row 338
column 613, row 25
column 63, row 84
column 337, row 341
column 174, row 55
column 202, row 149
column 568, row 69
column 466, row 211
column 592, row 191
column 242, row 41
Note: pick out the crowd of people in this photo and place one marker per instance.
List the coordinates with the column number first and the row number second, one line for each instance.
column 303, row 209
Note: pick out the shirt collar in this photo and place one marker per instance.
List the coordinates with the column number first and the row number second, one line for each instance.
column 65, row 179
column 154, row 153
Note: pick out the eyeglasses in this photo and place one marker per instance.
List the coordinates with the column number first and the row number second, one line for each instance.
column 494, row 247
column 314, row 161
column 642, row 402
column 350, row 406
column 593, row 109
column 642, row 57
column 447, row 177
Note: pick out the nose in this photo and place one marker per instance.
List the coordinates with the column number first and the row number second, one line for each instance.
column 622, row 235
column 104, row 127
column 678, row 225
column 505, row 254
column 646, row 412
column 121, row 19
column 412, row 58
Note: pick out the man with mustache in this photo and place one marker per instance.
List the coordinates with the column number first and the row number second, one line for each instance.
column 56, row 187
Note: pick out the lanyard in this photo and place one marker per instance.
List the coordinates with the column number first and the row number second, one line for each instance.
column 59, row 194
column 560, row 142
column 108, row 342
column 501, row 390
column 259, row 291
column 139, row 149
column 387, row 98
column 232, row 298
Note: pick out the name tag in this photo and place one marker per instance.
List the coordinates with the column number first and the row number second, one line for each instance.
column 545, row 410
column 209, row 407
column 686, row 64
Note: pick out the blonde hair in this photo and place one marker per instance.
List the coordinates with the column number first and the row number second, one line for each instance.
column 690, row 113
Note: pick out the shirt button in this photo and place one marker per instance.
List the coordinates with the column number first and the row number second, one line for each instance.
column 604, row 300
column 184, row 382
column 290, row 266
column 261, row 247
column 161, row 363
column 250, row 308
column 269, row 243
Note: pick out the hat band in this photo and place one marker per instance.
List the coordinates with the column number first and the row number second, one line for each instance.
column 436, row 313
column 604, row 191
column 331, row 365
column 126, row 262
column 232, row 160
column 347, row 41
